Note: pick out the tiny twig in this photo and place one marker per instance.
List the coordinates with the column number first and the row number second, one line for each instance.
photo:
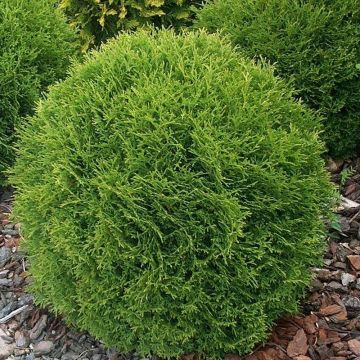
column 354, row 217
column 8, row 290
column 83, row 353
column 12, row 314
column 295, row 324
column 5, row 207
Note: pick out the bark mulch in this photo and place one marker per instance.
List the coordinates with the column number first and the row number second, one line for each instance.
column 328, row 327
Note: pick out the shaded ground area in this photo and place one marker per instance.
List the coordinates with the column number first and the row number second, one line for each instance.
column 328, row 328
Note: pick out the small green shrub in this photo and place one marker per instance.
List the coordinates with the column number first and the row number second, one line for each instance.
column 35, row 49
column 174, row 196
column 314, row 43
column 102, row 19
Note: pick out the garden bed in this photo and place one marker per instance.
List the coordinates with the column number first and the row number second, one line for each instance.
column 328, row 327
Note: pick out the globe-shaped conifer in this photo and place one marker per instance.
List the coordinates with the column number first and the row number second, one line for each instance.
column 174, row 196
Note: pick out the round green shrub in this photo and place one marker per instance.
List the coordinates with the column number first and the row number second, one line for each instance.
column 174, row 196
column 314, row 43
column 102, row 19
column 35, row 49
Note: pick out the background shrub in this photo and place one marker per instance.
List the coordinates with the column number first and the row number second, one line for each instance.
column 181, row 193
column 35, row 49
column 314, row 43
column 102, row 19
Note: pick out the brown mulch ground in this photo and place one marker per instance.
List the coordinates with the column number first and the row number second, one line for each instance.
column 327, row 329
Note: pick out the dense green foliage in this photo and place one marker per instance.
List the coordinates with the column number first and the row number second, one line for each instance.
column 99, row 20
column 314, row 43
column 173, row 204
column 35, row 49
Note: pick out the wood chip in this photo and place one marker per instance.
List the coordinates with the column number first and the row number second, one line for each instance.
column 12, row 314
column 331, row 310
column 298, row 345
column 354, row 261
column 349, row 204
column 309, row 324
column 354, row 346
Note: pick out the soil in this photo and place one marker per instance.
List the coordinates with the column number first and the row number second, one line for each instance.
column 328, row 327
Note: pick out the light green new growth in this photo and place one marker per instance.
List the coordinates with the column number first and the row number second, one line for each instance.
column 174, row 196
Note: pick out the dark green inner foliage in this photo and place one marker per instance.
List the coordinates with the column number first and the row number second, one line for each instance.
column 314, row 43
column 102, row 19
column 174, row 199
column 35, row 49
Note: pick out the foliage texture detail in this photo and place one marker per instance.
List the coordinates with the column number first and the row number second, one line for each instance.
column 315, row 44
column 35, row 49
